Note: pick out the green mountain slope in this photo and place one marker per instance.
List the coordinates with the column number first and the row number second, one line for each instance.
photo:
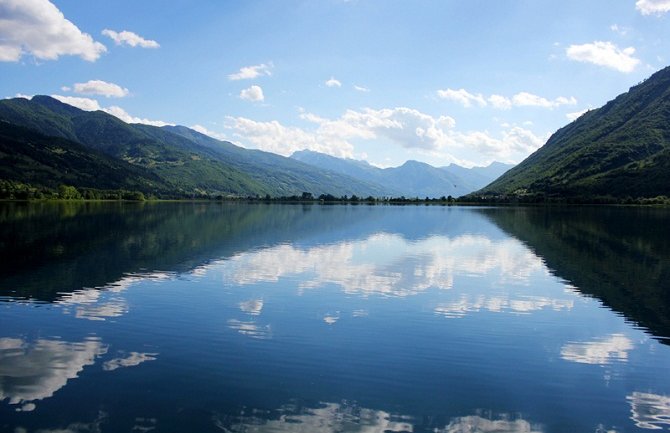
column 189, row 171
column 191, row 162
column 620, row 149
column 289, row 176
column 30, row 157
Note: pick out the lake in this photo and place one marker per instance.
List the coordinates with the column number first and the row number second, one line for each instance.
column 210, row 317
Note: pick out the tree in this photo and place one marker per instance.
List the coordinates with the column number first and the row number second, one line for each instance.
column 66, row 192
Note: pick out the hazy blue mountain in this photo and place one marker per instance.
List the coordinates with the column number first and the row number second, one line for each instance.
column 191, row 162
column 621, row 149
column 478, row 177
column 412, row 179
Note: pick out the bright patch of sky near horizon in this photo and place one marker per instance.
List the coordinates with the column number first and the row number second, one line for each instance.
column 385, row 81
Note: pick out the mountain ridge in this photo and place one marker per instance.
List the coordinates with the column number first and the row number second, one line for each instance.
column 412, row 178
column 192, row 163
column 602, row 151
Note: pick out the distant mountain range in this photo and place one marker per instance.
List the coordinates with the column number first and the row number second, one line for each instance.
column 619, row 150
column 413, row 178
column 46, row 143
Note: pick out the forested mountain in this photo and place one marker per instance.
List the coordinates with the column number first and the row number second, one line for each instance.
column 619, row 150
column 412, row 179
column 35, row 159
column 185, row 162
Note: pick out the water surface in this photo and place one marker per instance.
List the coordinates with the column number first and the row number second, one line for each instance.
column 271, row 318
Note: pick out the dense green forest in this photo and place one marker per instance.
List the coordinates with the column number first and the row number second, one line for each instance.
column 620, row 151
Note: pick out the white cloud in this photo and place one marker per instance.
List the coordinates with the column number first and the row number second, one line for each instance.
column 501, row 102
column 131, row 39
column 648, row 7
column 333, row 82
column 284, row 140
column 99, row 87
column 521, row 99
column 361, row 89
column 525, row 99
column 604, row 54
column 38, row 28
column 123, row 115
column 621, row 30
column 86, row 104
column 201, row 129
column 402, row 126
column 462, row 96
column 253, row 93
column 251, row 72
column 603, row 351
column 576, row 115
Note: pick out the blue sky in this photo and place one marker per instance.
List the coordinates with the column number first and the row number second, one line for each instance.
column 441, row 81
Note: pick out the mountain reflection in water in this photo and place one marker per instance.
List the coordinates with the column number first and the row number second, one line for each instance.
column 173, row 317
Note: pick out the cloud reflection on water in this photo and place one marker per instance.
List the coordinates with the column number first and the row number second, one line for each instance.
column 650, row 411
column 478, row 424
column 351, row 418
column 133, row 359
column 34, row 371
column 387, row 264
column 472, row 304
column 329, row 418
column 602, row 351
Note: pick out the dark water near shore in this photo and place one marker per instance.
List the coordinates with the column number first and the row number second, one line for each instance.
column 182, row 317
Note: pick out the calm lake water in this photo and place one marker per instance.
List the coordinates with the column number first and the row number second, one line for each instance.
column 288, row 318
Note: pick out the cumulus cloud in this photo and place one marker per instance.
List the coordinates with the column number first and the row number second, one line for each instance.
column 402, row 126
column 99, row 87
column 525, row 99
column 123, row 115
column 648, row 7
column 201, row 129
column 253, row 93
column 462, row 96
column 361, row 89
column 88, row 104
column 501, row 102
column 521, row 99
column 251, row 72
column 284, row 140
column 129, row 38
column 604, row 54
column 332, row 82
column 38, row 28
